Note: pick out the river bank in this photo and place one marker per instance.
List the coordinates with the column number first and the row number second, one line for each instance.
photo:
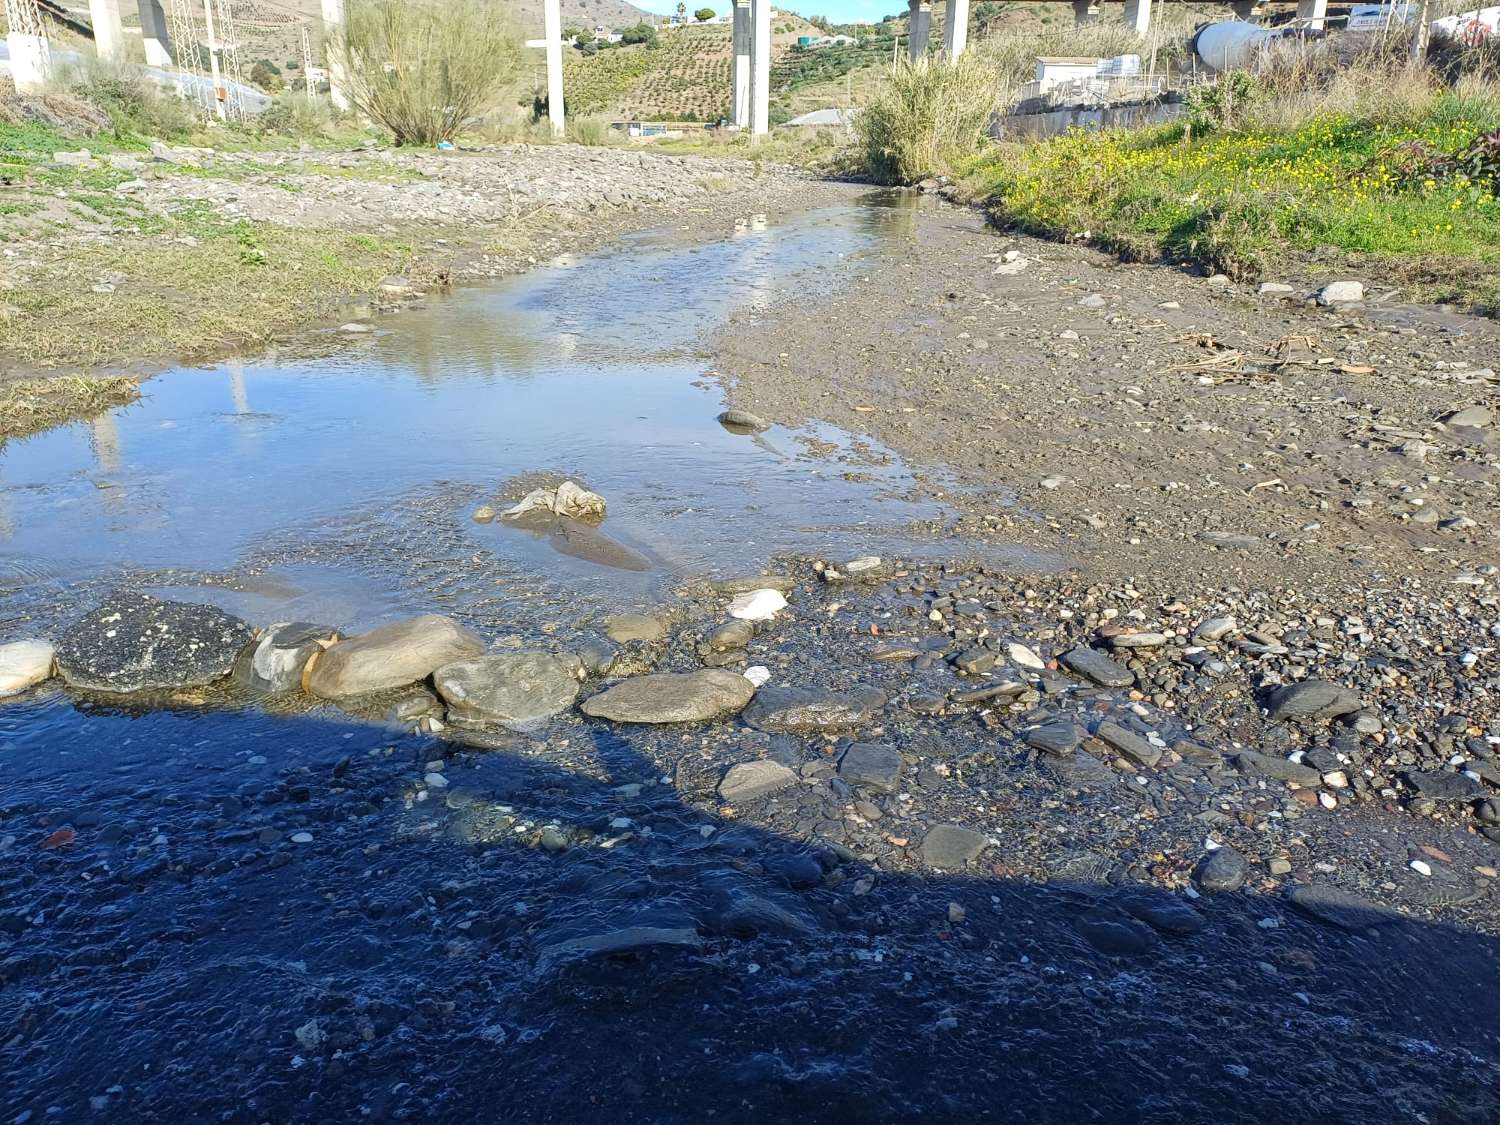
column 123, row 261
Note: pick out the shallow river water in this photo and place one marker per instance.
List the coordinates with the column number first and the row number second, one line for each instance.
column 307, row 918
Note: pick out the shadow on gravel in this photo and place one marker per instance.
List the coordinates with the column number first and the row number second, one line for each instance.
column 258, row 920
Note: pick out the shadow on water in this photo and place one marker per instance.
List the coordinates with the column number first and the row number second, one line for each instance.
column 184, row 958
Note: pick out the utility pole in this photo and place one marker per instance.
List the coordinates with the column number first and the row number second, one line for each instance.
column 1421, row 34
column 184, row 37
column 307, row 62
column 213, row 59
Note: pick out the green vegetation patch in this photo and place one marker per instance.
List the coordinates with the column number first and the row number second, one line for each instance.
column 1242, row 200
column 208, row 285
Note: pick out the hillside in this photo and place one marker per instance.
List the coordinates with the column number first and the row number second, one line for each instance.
column 686, row 77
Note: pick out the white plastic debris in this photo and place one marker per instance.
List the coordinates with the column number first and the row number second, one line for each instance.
column 567, row 499
column 757, row 605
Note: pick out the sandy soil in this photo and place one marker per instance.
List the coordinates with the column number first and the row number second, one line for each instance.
column 1181, row 424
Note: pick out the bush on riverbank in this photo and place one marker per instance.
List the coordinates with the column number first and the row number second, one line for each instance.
column 421, row 68
column 928, row 115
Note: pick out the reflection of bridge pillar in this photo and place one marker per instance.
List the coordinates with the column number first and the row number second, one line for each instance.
column 1084, row 12
column 739, row 112
column 237, row 393
column 1315, row 12
column 106, row 442
column 760, row 68
column 109, row 35
column 154, row 35
column 1138, row 16
column 956, row 29
column 918, row 28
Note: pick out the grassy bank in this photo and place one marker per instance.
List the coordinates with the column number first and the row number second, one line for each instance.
column 28, row 406
column 1411, row 186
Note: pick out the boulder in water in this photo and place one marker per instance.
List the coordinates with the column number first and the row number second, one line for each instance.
column 513, row 689
column 135, row 642
column 391, row 656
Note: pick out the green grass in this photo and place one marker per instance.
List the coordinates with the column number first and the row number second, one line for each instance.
column 1248, row 200
column 28, row 406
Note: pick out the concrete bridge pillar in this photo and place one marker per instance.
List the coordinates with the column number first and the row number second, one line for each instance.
column 154, row 35
column 552, row 33
column 1085, row 12
column 1138, row 16
column 333, row 53
column 30, row 53
column 760, row 66
column 956, row 29
column 109, row 35
column 1315, row 12
column 1246, row 9
column 739, row 112
column 918, row 28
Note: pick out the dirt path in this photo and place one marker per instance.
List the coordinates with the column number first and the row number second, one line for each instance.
column 1138, row 420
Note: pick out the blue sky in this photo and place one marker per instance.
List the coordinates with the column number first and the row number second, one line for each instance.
column 836, row 10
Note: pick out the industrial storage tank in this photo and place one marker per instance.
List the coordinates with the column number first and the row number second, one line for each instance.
column 1232, row 44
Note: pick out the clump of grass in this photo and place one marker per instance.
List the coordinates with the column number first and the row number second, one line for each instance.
column 929, row 116
column 421, row 68
column 240, row 284
column 592, row 131
column 28, row 406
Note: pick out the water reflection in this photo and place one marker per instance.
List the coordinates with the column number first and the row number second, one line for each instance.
column 583, row 367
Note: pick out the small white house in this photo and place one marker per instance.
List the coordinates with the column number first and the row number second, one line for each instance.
column 1057, row 70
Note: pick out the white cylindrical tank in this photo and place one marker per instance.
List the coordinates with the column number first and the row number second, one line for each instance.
column 1231, row 44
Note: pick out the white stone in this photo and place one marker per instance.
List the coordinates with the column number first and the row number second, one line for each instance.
column 1341, row 293
column 24, row 664
column 758, row 674
column 1276, row 287
column 1025, row 657
column 1420, row 867
column 757, row 605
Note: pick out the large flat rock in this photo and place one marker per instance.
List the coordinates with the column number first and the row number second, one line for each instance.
column 802, row 710
column 392, row 656
column 1312, row 699
column 672, row 697
column 514, row 689
column 135, row 642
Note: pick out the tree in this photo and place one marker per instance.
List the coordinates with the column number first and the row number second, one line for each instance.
column 267, row 75
column 681, row 10
column 421, row 68
column 584, row 38
column 641, row 33
column 703, row 15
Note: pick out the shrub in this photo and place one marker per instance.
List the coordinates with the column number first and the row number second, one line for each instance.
column 292, row 113
column 133, row 102
column 927, row 116
column 588, row 130
column 421, row 68
column 640, row 33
